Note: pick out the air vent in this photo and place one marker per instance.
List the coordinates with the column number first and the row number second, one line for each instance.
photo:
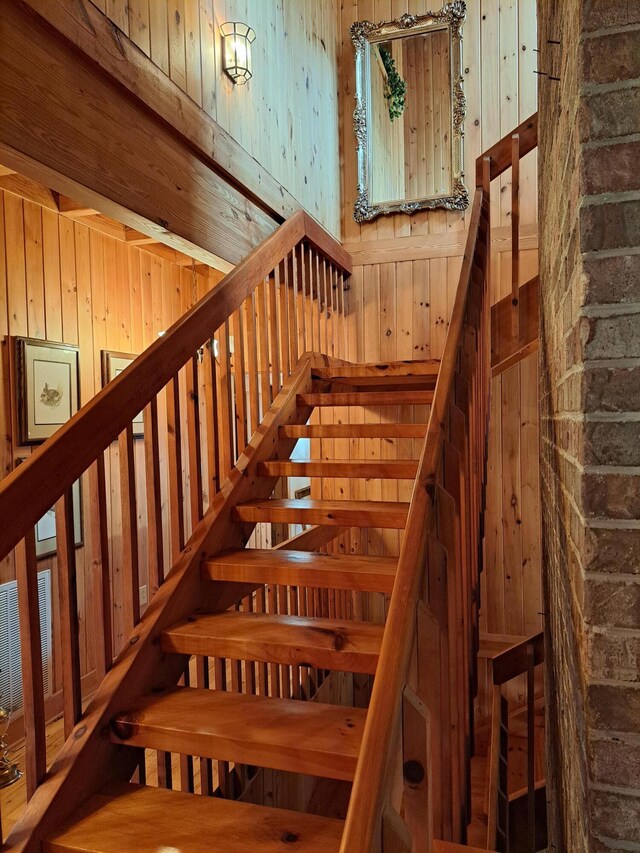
column 10, row 664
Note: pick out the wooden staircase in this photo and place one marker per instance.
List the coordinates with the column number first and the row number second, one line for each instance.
column 282, row 733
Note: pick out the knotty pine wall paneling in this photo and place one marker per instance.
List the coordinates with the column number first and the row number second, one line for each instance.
column 63, row 281
column 405, row 275
column 287, row 115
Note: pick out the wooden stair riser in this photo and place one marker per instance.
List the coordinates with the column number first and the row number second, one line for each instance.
column 298, row 568
column 246, row 729
column 289, row 640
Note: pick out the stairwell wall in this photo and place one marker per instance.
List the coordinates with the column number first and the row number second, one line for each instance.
column 62, row 281
column 405, row 274
column 590, row 307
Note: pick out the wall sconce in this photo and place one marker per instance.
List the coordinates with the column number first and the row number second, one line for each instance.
column 237, row 39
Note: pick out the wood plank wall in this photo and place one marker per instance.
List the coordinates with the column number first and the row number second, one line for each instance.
column 287, row 115
column 63, row 281
column 404, row 279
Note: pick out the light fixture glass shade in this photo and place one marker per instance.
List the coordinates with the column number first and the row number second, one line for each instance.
column 236, row 60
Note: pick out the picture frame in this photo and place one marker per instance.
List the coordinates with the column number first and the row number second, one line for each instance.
column 112, row 364
column 47, row 387
column 45, row 529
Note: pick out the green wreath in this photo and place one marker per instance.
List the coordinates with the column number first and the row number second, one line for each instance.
column 395, row 88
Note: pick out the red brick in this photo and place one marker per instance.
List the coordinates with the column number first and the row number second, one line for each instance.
column 611, row 389
column 614, row 279
column 611, row 57
column 605, row 115
column 615, row 761
column 616, row 816
column 615, row 496
column 614, row 603
column 614, row 707
column 598, row 14
column 611, row 168
column 614, row 225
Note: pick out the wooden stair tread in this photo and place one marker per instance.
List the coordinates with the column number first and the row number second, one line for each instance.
column 451, row 847
column 391, row 514
column 149, row 820
column 366, row 398
column 336, row 644
column 246, row 729
column 303, row 568
column 353, row 431
column 395, row 469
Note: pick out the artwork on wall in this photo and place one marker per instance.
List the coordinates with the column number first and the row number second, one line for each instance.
column 46, row 543
column 47, row 387
column 113, row 363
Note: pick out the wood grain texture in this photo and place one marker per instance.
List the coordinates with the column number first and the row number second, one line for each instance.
column 330, row 644
column 349, row 513
column 300, row 568
column 246, row 729
column 146, row 818
column 354, row 430
column 359, row 468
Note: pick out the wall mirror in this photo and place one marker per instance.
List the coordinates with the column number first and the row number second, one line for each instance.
column 409, row 113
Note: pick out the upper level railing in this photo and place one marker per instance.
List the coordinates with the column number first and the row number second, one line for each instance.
column 418, row 738
column 203, row 387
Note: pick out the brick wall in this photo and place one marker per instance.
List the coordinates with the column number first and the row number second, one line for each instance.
column 590, row 421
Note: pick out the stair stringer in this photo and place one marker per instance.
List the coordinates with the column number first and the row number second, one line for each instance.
column 89, row 760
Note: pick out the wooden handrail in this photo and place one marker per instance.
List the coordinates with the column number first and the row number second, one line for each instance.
column 366, row 802
column 29, row 491
column 515, row 661
column 500, row 154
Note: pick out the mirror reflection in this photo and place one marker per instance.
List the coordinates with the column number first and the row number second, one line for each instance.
column 410, row 97
column 409, row 113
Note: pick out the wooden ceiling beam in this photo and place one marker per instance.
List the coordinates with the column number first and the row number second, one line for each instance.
column 67, row 127
column 26, row 188
column 69, row 206
column 90, row 31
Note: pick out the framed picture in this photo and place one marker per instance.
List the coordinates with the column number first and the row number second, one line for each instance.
column 47, row 387
column 113, row 363
column 46, row 543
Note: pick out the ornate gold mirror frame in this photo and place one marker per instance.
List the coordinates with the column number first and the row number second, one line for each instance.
column 365, row 35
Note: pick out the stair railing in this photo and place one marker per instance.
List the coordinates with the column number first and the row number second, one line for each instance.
column 203, row 388
column 521, row 659
column 412, row 781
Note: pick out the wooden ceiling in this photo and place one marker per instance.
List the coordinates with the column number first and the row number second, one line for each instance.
column 18, row 184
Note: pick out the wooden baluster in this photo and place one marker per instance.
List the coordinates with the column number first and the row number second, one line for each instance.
column 262, row 327
column 206, row 764
column 252, row 366
column 174, row 460
column 225, row 422
column 486, row 189
column 531, row 744
column 310, row 294
column 274, row 669
column 324, row 307
column 186, row 761
column 211, row 419
column 299, row 287
column 515, row 235
column 284, row 329
column 100, row 567
column 69, row 627
column 220, row 683
column 273, row 342
column 262, row 668
column 502, row 840
column 130, row 565
column 317, row 289
column 240, row 398
column 194, row 445
column 292, row 299
column 333, row 294
column 31, row 659
column 154, row 497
